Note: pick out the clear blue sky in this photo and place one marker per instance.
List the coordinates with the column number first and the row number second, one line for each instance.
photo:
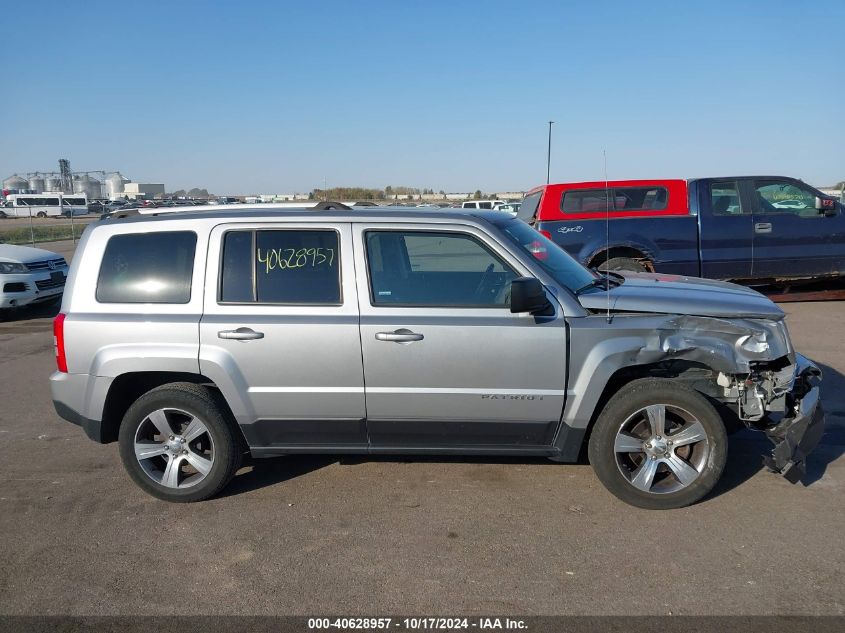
column 250, row 97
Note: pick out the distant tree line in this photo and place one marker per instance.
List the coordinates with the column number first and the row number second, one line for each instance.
column 343, row 193
column 346, row 193
column 191, row 193
column 364, row 193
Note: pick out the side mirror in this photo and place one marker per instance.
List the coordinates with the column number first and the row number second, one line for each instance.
column 826, row 206
column 529, row 295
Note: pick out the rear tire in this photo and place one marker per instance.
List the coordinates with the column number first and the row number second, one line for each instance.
column 178, row 444
column 623, row 263
column 658, row 444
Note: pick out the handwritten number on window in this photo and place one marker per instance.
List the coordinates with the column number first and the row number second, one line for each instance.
column 292, row 258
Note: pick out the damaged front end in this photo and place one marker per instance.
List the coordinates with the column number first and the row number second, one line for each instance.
column 784, row 403
column 771, row 387
column 727, row 342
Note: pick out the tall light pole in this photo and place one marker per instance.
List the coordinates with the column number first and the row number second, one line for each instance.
column 549, row 154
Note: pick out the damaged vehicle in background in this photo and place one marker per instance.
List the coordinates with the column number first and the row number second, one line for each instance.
column 195, row 337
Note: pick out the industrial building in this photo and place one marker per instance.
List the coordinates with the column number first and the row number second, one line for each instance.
column 143, row 191
column 110, row 184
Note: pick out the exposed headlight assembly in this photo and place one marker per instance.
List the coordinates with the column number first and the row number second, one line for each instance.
column 12, row 268
column 754, row 343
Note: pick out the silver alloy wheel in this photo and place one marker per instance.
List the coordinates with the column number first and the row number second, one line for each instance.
column 661, row 449
column 174, row 448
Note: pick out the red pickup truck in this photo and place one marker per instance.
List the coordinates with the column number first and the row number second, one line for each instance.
column 758, row 229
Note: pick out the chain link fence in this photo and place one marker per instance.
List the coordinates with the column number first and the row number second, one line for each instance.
column 34, row 230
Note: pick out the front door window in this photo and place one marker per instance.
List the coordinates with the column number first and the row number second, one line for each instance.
column 435, row 269
column 781, row 196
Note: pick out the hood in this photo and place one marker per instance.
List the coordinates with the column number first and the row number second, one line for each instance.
column 25, row 254
column 674, row 294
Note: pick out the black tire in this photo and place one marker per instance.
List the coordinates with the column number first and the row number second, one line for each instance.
column 623, row 263
column 40, row 214
column 198, row 401
column 623, row 407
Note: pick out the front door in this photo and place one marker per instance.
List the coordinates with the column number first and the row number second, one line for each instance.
column 446, row 363
column 279, row 333
column 792, row 239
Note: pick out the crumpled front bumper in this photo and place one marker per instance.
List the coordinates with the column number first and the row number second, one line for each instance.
column 800, row 430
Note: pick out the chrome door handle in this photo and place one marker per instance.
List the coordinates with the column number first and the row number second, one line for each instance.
column 763, row 227
column 399, row 336
column 241, row 334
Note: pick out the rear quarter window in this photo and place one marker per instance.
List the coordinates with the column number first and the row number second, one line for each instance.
column 147, row 268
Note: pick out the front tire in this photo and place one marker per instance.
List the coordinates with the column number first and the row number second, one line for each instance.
column 178, row 444
column 658, row 444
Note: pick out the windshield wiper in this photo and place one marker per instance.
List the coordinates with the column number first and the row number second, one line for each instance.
column 603, row 282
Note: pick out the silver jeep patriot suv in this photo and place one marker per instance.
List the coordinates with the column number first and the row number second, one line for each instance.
column 196, row 338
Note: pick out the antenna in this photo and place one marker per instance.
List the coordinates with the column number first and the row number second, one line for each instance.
column 606, row 234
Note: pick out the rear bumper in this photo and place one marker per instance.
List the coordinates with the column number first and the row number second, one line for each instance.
column 93, row 428
column 79, row 399
column 799, row 432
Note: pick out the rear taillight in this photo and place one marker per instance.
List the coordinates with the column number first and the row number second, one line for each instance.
column 59, row 342
column 546, row 234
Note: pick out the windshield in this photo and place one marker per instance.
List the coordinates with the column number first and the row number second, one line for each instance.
column 528, row 207
column 548, row 255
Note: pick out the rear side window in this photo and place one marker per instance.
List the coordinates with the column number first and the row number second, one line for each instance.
column 621, row 199
column 725, row 199
column 582, row 201
column 295, row 267
column 639, row 198
column 147, row 268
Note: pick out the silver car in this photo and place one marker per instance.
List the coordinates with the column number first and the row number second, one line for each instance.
column 197, row 337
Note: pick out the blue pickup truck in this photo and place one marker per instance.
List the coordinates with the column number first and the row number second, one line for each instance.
column 753, row 229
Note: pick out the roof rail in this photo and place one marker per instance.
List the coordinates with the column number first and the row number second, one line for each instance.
column 327, row 205
column 330, row 206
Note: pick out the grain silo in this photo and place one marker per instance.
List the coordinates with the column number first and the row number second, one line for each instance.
column 36, row 183
column 87, row 185
column 16, row 183
column 114, row 186
column 53, row 183
column 94, row 189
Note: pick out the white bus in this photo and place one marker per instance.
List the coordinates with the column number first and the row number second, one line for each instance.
column 42, row 205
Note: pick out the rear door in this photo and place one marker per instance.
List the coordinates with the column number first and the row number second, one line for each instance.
column 446, row 362
column 279, row 333
column 725, row 229
column 792, row 239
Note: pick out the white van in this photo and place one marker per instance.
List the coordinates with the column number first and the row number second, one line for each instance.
column 481, row 204
column 42, row 205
